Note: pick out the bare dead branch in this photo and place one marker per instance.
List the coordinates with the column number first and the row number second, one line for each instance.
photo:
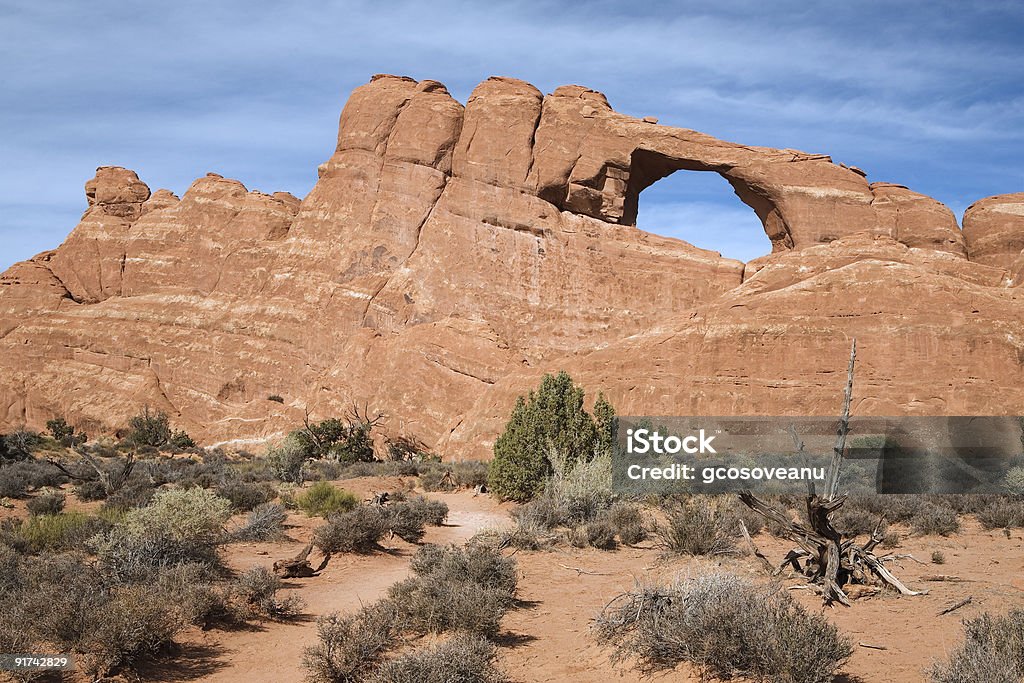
column 753, row 548
column 963, row 603
column 112, row 482
column 579, row 571
column 943, row 577
column 363, row 416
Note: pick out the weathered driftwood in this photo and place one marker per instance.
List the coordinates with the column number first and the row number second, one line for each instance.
column 829, row 561
column 957, row 605
column 299, row 566
column 943, row 577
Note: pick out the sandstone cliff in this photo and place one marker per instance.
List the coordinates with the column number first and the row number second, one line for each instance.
column 449, row 255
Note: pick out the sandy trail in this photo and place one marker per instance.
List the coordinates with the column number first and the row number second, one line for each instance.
column 272, row 651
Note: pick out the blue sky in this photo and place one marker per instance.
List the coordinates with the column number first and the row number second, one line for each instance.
column 927, row 94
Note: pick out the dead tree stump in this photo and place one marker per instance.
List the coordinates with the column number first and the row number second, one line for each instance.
column 829, row 561
column 297, row 567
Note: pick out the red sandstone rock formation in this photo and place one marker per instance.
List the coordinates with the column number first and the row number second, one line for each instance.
column 449, row 255
column 994, row 231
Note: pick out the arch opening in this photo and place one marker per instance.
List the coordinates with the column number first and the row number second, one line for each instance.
column 698, row 204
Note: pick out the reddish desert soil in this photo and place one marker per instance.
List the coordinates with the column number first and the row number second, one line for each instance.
column 554, row 631
column 272, row 651
column 547, row 637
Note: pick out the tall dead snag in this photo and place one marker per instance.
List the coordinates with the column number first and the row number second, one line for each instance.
column 829, row 561
column 832, row 482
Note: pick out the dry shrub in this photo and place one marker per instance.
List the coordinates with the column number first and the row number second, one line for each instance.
column 61, row 603
column 361, row 529
column 126, row 627
column 476, row 563
column 895, row 508
column 436, row 477
column 935, row 519
column 153, row 578
column 700, row 525
column 601, row 535
column 544, row 512
column 46, row 504
column 968, row 504
column 1004, row 513
column 597, row 534
column 256, row 591
column 14, row 483
column 724, row 625
column 524, row 536
column 453, row 588
column 633, row 534
column 431, row 605
column 351, row 647
column 431, row 512
column 130, row 497
column 628, row 522
column 245, row 496
column 90, row 490
column 179, row 526
column 465, row 589
column 264, row 523
column 992, row 651
column 583, row 490
column 577, row 498
column 577, row 536
column 856, row 521
column 59, row 532
column 891, row 539
column 463, row 658
column 356, row 531
column 187, row 589
column 405, row 520
column 18, row 478
column 467, row 474
column 741, row 513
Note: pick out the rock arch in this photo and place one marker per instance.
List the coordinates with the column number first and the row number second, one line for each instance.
column 591, row 160
column 648, row 167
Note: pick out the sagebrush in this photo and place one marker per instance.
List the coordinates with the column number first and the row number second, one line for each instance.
column 724, row 625
column 992, row 651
